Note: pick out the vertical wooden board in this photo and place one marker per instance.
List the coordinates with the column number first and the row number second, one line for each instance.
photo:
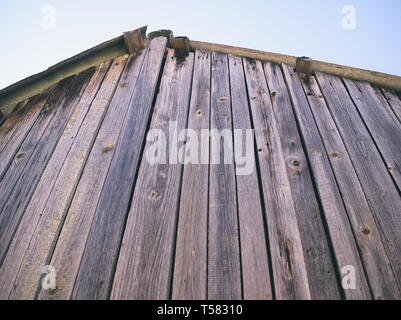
column 19, row 199
column 18, row 125
column 12, row 124
column 146, row 257
column 366, row 231
column 377, row 184
column 47, row 214
column 31, row 212
column 318, row 259
column 71, row 242
column 384, row 128
column 394, row 101
column 341, row 232
column 21, row 179
column 100, row 256
column 288, row 265
column 47, row 105
column 254, row 251
column 21, row 129
column 190, row 268
column 224, row 269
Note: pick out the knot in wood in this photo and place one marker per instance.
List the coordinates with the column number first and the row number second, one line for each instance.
column 154, row 195
column 366, row 231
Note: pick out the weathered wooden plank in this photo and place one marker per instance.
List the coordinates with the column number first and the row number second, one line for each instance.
column 48, row 206
column 380, row 191
column 18, row 127
column 39, row 145
column 100, row 256
column 317, row 255
column 254, row 251
column 71, row 242
column 384, row 128
column 394, row 101
column 11, row 124
column 288, row 265
column 145, row 262
column 27, row 148
column 341, row 233
column 8, row 154
column 224, row 269
column 361, row 216
column 17, row 250
column 190, row 268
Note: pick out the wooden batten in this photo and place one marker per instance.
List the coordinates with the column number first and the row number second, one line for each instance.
column 182, row 46
column 304, row 65
column 135, row 40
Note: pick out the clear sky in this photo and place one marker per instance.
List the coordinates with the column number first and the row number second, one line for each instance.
column 37, row 34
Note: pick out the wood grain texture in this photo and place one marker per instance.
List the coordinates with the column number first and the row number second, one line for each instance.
column 63, row 172
column 365, row 229
column 12, row 124
column 224, row 269
column 375, row 180
column 254, row 251
column 22, row 177
column 18, row 132
column 383, row 127
column 340, row 230
column 71, row 242
column 190, row 268
column 35, row 209
column 318, row 260
column 145, row 263
column 79, row 191
column 288, row 264
column 394, row 101
column 101, row 252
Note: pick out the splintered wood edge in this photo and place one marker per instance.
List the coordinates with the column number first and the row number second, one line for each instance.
column 111, row 49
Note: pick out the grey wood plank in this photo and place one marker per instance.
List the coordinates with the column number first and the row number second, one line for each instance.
column 384, row 128
column 288, row 264
column 100, row 256
column 380, row 191
column 224, row 269
column 394, row 101
column 17, row 211
column 20, row 180
column 18, row 126
column 145, row 262
column 341, row 232
column 317, row 255
column 46, row 212
column 361, row 216
column 71, row 242
column 190, row 268
column 254, row 251
column 11, row 124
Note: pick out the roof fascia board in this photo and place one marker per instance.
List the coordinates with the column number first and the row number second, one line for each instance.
column 111, row 49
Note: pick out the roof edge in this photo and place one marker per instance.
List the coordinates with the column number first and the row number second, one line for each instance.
column 111, row 49
column 33, row 85
column 377, row 78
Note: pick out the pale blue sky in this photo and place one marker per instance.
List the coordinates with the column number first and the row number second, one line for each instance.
column 310, row 27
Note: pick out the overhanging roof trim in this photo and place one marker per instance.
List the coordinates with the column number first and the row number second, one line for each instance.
column 32, row 85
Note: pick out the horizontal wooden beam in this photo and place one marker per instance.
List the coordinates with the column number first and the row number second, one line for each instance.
column 376, row 78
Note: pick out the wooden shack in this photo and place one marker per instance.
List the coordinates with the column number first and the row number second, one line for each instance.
column 319, row 217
